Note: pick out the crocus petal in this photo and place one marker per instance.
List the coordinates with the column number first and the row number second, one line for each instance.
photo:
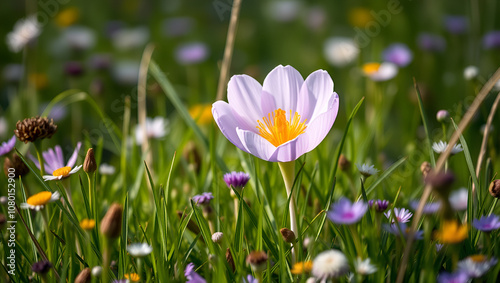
column 291, row 150
column 320, row 126
column 74, row 156
column 267, row 104
column 315, row 94
column 284, row 84
column 224, row 118
column 243, row 94
column 257, row 145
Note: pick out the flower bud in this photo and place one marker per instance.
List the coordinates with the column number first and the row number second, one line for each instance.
column 217, row 237
column 15, row 162
column 495, row 188
column 229, row 259
column 111, row 224
column 425, row 168
column 288, row 235
column 90, row 165
column 442, row 116
column 96, row 271
column 344, row 163
column 83, row 276
column 257, row 261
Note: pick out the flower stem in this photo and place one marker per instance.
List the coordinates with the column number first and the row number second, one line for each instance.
column 91, row 193
column 45, row 217
column 38, row 148
column 355, row 238
column 288, row 172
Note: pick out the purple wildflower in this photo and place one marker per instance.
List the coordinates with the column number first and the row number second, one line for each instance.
column 192, row 276
column 431, row 42
column 487, row 223
column 402, row 215
column 378, row 205
column 492, row 39
column 429, row 208
column 393, row 229
column 203, row 199
column 345, row 212
column 456, row 24
column 398, row 54
column 54, row 158
column 121, row 281
column 73, row 69
column 7, row 146
column 191, row 53
column 439, row 247
column 41, row 267
column 477, row 265
column 456, row 277
column 236, row 179
column 251, row 279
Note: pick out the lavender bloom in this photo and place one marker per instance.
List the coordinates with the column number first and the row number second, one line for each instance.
column 345, row 212
column 456, row 24
column 41, row 267
column 439, row 247
column 492, row 39
column 429, row 208
column 378, row 205
column 121, row 281
column 398, row 54
column 236, row 179
column 456, row 277
column 7, row 146
column 203, row 199
column 191, row 53
column 393, row 229
column 55, row 160
column 192, row 276
column 251, row 279
column 487, row 223
column 477, row 265
column 402, row 215
column 431, row 42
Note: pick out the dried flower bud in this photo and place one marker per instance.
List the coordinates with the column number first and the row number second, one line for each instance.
column 36, row 128
column 288, row 235
column 425, row 168
column 191, row 225
column 344, row 163
column 111, row 223
column 229, row 259
column 3, row 220
column 90, row 165
column 257, row 261
column 495, row 188
column 440, row 182
column 84, row 276
column 17, row 163
column 217, row 237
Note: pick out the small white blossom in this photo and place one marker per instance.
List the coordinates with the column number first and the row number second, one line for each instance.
column 330, row 264
column 96, row 271
column 471, row 72
column 217, row 237
column 24, row 31
column 366, row 170
column 106, row 169
column 155, row 128
column 139, row 249
column 364, row 267
column 340, row 51
column 458, row 199
column 441, row 147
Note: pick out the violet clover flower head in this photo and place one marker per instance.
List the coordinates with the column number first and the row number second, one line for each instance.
column 456, row 24
column 429, row 208
column 54, row 158
column 487, row 223
column 306, row 110
column 378, row 205
column 402, row 215
column 192, row 276
column 455, row 277
column 203, row 199
column 236, row 179
column 345, row 212
column 431, row 42
column 8, row 146
column 191, row 53
column 398, row 53
column 41, row 267
column 491, row 40
column 393, row 229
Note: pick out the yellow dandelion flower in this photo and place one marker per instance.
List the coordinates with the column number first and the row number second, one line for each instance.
column 134, row 277
column 452, row 232
column 201, row 113
column 87, row 224
column 67, row 17
column 302, row 267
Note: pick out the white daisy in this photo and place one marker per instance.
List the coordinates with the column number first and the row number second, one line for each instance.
column 367, row 170
column 340, row 51
column 477, row 265
column 380, row 72
column 441, row 147
column 24, row 31
column 458, row 199
column 471, row 72
column 364, row 267
column 330, row 264
column 61, row 173
column 155, row 128
column 106, row 169
column 139, row 249
column 128, row 39
column 38, row 201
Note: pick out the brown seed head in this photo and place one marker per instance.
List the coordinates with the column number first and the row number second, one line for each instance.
column 495, row 188
column 425, row 168
column 257, row 260
column 20, row 169
column 84, row 276
column 90, row 165
column 111, row 223
column 288, row 235
column 344, row 163
column 36, row 128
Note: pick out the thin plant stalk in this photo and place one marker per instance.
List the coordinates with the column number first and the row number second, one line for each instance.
column 288, row 172
column 38, row 149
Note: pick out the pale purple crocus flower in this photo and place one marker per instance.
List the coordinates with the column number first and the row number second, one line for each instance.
column 393, row 229
column 54, row 158
column 345, row 212
column 192, row 276
column 456, row 24
column 203, row 199
column 398, row 54
column 191, row 53
column 431, row 42
column 487, row 223
column 7, row 146
column 491, row 40
column 251, row 118
column 402, row 215
column 429, row 208
column 456, row 277
column 236, row 179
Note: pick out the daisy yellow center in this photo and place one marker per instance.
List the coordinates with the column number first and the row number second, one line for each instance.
column 63, row 171
column 370, row 68
column 87, row 224
column 478, row 258
column 278, row 130
column 302, row 267
column 39, row 199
